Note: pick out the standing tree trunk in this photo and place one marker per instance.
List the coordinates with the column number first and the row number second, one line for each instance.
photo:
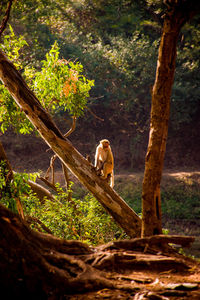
column 177, row 14
column 69, row 156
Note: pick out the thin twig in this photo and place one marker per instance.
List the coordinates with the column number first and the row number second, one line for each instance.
column 73, row 127
column 51, row 167
column 6, row 17
column 92, row 113
column 67, row 181
column 19, row 208
column 30, row 219
column 52, row 161
column 48, row 183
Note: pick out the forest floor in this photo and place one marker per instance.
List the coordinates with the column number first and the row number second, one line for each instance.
column 152, row 285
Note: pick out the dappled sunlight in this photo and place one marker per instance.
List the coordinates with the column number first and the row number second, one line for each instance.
column 187, row 177
column 183, row 174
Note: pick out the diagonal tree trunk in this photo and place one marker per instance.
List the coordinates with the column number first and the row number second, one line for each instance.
column 178, row 13
column 79, row 166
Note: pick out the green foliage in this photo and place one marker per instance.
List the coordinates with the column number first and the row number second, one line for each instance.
column 60, row 84
column 12, row 46
column 165, row 231
column 181, row 202
column 186, row 89
column 10, row 113
column 179, row 198
column 123, row 71
column 29, row 18
column 116, row 17
column 117, row 43
column 131, row 192
column 16, row 188
column 82, row 219
column 78, row 219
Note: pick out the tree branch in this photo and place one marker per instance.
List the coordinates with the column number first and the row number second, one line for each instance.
column 73, row 127
column 94, row 115
column 6, row 17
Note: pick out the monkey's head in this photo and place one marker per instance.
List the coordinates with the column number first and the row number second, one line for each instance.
column 105, row 144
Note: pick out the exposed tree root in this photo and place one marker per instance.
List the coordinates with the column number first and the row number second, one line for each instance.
column 40, row 266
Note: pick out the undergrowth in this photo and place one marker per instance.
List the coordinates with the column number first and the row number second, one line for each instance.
column 78, row 218
column 180, row 198
column 82, row 217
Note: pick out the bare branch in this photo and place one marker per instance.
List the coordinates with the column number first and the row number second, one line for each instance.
column 73, row 127
column 92, row 113
column 36, row 221
column 48, row 183
column 51, row 167
column 6, row 17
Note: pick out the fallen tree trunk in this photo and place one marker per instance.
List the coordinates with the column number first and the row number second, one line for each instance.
column 79, row 166
column 40, row 191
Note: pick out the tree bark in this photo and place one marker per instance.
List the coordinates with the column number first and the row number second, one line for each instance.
column 177, row 14
column 79, row 166
column 40, row 191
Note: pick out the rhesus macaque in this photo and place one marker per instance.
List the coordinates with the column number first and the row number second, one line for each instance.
column 104, row 162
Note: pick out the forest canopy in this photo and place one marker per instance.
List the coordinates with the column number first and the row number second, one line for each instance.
column 118, row 52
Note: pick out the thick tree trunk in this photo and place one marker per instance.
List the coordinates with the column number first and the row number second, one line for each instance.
column 78, row 165
column 178, row 13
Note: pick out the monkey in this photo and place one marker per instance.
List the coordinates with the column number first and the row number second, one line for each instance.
column 104, row 161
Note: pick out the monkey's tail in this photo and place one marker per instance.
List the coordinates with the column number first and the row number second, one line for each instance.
column 112, row 179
